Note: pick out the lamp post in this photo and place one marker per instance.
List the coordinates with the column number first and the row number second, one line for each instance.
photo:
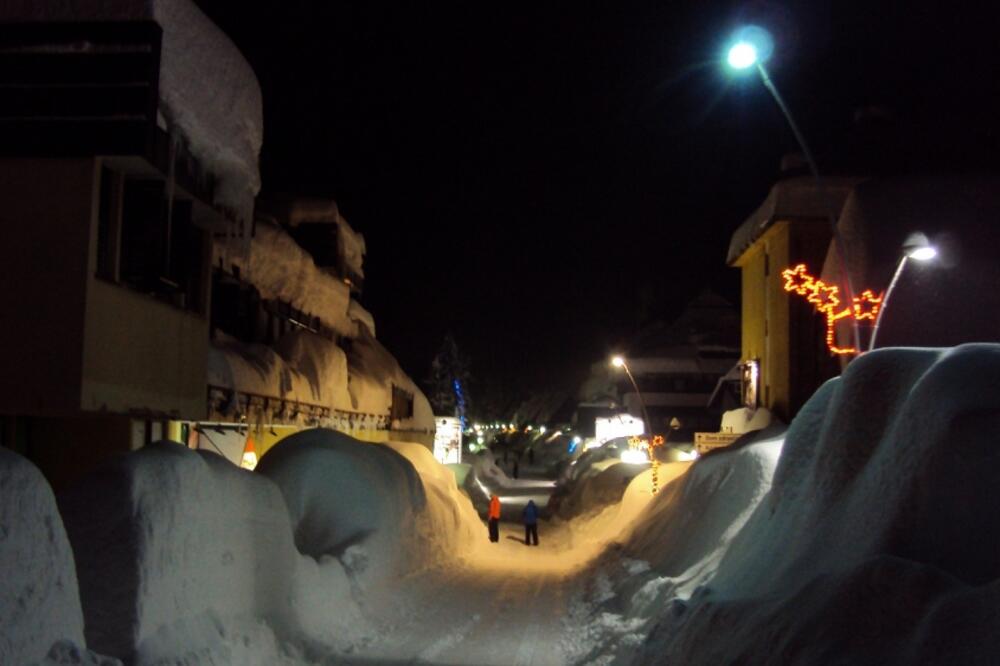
column 619, row 362
column 916, row 247
column 751, row 47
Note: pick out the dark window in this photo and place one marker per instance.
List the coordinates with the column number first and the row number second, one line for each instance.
column 402, row 403
column 109, row 224
column 149, row 243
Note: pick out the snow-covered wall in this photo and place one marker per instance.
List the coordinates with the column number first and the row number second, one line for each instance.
column 209, row 95
column 39, row 602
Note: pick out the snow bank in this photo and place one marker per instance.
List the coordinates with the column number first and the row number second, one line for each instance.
column 876, row 542
column 743, row 420
column 449, row 524
column 603, row 484
column 181, row 550
column 39, row 603
column 353, row 501
column 185, row 558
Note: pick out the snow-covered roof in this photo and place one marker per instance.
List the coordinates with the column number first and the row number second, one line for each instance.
column 280, row 269
column 792, row 198
column 310, row 210
column 209, row 96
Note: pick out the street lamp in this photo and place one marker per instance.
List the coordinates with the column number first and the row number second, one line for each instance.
column 619, row 362
column 751, row 46
column 916, row 247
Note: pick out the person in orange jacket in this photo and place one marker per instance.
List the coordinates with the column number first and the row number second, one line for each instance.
column 494, row 518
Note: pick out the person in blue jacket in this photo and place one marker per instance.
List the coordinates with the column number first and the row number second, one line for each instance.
column 530, row 515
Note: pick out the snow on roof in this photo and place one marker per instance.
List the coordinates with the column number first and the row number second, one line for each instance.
column 363, row 317
column 280, row 269
column 791, row 198
column 374, row 371
column 211, row 98
column 209, row 95
column 311, row 210
column 304, row 368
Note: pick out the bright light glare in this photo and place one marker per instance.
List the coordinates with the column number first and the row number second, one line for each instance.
column 618, row 361
column 925, row 253
column 751, row 44
column 742, row 55
column 634, row 456
column 685, row 456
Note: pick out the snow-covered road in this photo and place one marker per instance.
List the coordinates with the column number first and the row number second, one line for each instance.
column 504, row 604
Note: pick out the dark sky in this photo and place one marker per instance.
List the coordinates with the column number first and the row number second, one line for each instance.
column 534, row 176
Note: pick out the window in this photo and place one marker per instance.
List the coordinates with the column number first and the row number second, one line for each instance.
column 402, row 404
column 149, row 243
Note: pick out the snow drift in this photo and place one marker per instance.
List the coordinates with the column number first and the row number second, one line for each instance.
column 184, row 556
column 876, row 542
column 39, row 604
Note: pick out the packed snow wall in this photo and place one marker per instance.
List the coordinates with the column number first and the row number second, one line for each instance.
column 183, row 556
column 39, row 603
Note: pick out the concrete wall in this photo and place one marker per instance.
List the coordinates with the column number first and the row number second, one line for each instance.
column 142, row 355
column 45, row 214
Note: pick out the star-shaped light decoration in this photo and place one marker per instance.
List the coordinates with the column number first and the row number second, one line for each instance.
column 797, row 279
column 825, row 297
column 867, row 305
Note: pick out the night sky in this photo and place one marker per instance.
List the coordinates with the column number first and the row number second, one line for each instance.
column 538, row 178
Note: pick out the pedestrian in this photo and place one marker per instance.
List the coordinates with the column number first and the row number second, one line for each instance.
column 494, row 518
column 530, row 515
column 531, row 456
column 515, row 468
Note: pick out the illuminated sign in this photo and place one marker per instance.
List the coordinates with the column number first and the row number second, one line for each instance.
column 827, row 301
column 448, row 439
column 622, row 425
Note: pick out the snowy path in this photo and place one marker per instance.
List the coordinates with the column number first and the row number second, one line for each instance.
column 504, row 604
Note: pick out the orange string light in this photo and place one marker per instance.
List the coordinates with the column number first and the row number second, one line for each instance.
column 826, row 299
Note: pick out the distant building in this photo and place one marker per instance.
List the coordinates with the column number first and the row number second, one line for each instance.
column 677, row 367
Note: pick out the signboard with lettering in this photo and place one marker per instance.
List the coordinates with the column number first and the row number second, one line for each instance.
column 706, row 441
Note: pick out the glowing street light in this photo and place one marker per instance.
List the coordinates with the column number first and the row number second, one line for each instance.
column 751, row 46
column 916, row 247
column 619, row 362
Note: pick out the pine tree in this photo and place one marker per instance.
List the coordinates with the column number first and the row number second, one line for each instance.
column 447, row 384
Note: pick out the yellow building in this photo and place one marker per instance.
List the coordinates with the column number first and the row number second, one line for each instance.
column 783, row 349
